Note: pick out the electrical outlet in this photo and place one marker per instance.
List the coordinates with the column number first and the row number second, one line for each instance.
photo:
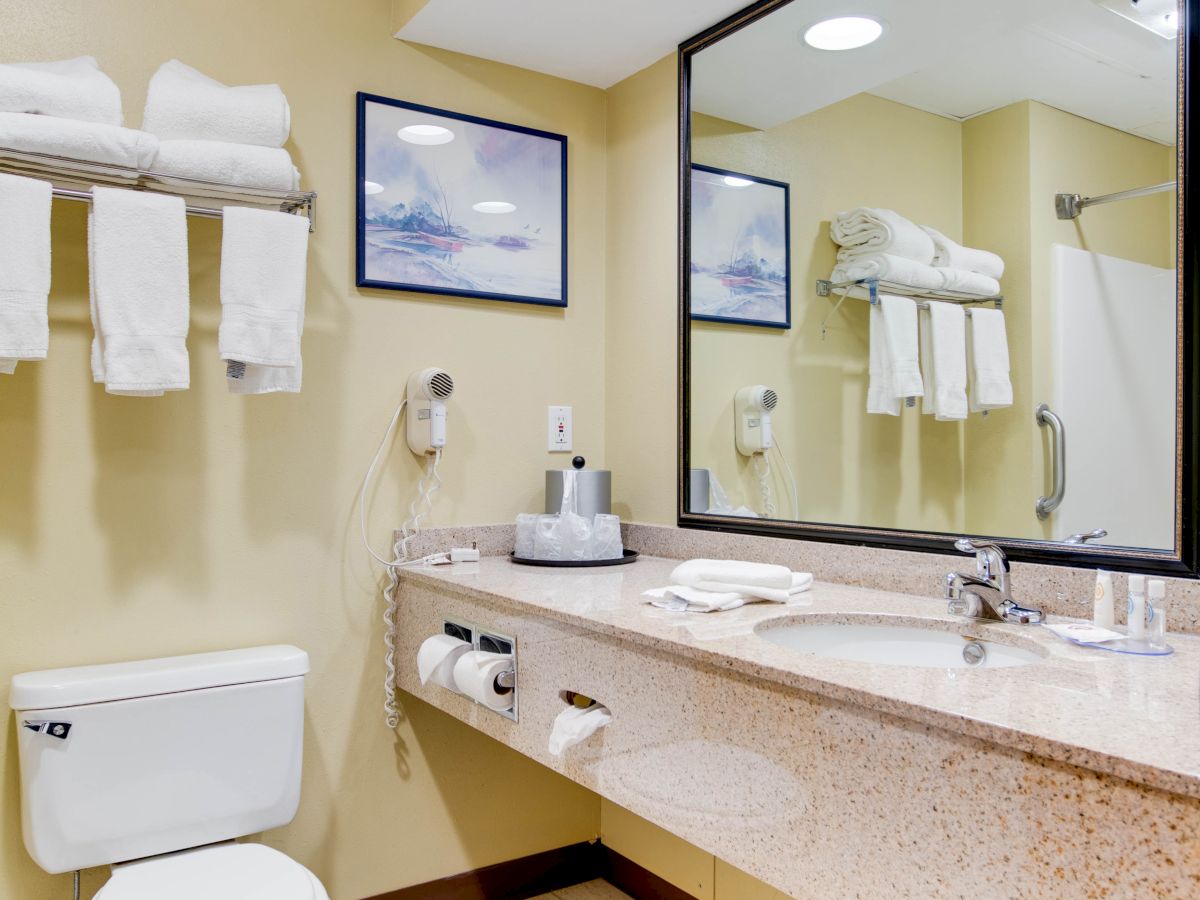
column 559, row 436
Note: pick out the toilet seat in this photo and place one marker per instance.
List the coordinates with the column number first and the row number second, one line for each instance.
column 218, row 872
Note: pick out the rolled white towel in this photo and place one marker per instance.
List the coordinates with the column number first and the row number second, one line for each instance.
column 183, row 104
column 867, row 230
column 897, row 269
column 953, row 255
column 243, row 165
column 87, row 141
column 68, row 88
column 731, row 571
column 969, row 282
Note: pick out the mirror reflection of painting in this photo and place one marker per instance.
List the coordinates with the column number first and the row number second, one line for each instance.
column 740, row 261
column 455, row 205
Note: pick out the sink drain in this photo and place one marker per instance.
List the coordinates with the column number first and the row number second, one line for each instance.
column 974, row 654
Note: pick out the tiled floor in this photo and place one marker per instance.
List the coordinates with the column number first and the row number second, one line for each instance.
column 589, row 890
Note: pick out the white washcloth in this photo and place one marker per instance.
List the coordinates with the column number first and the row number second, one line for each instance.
column 881, row 399
column 731, row 571
column 68, row 88
column 24, row 270
column 944, row 361
column 953, row 255
column 183, row 104
column 137, row 250
column 865, row 230
column 264, row 258
column 87, row 141
column 698, row 599
column 987, row 354
column 896, row 269
column 970, row 282
column 900, row 333
column 243, row 165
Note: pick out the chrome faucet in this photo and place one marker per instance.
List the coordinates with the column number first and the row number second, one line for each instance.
column 1083, row 538
column 988, row 593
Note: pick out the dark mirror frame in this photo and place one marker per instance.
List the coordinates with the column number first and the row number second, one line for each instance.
column 1181, row 562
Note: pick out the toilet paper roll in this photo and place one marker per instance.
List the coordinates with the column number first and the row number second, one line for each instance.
column 436, row 659
column 475, row 674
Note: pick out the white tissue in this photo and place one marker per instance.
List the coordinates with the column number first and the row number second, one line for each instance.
column 436, row 659
column 475, row 675
column 573, row 725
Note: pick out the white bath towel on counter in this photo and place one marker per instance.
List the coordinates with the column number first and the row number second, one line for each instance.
column 900, row 335
column 867, row 230
column 87, row 141
column 68, row 89
column 694, row 599
column 24, row 270
column 987, row 354
column 762, row 581
column 944, row 361
column 185, row 104
column 242, row 165
column 952, row 255
column 881, row 398
column 137, row 249
column 264, row 261
column 887, row 267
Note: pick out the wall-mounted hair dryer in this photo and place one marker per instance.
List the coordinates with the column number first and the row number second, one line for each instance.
column 428, row 391
column 752, row 418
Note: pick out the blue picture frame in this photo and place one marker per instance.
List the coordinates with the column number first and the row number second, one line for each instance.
column 740, row 254
column 439, row 229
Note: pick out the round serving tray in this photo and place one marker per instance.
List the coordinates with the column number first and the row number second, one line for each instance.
column 630, row 556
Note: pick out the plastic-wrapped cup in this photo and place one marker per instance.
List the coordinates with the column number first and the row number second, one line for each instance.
column 606, row 537
column 526, row 535
column 547, row 542
column 576, row 535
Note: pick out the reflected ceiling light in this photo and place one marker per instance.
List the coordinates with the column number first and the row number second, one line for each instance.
column 372, row 187
column 843, row 33
column 1159, row 16
column 495, row 207
column 734, row 181
column 425, row 134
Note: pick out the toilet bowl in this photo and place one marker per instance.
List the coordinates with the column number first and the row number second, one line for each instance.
column 228, row 871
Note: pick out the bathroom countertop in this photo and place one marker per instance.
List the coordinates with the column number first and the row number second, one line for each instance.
column 1134, row 717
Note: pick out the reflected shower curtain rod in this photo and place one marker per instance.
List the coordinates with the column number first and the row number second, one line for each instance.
column 1069, row 206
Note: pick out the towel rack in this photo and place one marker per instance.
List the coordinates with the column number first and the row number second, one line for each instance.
column 870, row 288
column 1069, row 206
column 72, row 179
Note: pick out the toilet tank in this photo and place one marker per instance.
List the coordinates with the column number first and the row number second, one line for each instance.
column 135, row 759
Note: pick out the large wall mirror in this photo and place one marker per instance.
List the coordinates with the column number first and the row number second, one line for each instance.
column 934, row 276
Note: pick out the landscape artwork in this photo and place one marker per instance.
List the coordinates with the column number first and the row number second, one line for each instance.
column 453, row 204
column 740, row 263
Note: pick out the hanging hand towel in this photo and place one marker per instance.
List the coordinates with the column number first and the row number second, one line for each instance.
column 243, row 165
column 264, row 263
column 944, row 361
column 184, row 104
column 87, row 141
column 24, row 270
column 887, row 267
column 987, row 349
column 881, row 399
column 864, row 230
column 900, row 333
column 137, row 250
column 68, row 89
column 953, row 255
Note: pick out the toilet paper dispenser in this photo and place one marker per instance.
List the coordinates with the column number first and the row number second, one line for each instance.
column 474, row 661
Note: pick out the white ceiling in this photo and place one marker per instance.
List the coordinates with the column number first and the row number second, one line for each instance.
column 955, row 59
column 597, row 42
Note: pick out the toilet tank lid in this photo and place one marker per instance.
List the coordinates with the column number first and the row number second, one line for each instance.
column 54, row 688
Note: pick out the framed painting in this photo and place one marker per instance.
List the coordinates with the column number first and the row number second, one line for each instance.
column 457, row 205
column 740, row 249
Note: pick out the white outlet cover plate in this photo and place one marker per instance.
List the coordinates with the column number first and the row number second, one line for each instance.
column 558, row 435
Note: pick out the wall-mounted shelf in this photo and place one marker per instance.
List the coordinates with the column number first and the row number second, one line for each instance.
column 72, row 179
column 870, row 289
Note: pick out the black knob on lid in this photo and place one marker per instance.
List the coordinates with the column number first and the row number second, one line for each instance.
column 579, row 462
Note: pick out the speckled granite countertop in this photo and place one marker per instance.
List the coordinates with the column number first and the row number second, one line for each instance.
column 1133, row 717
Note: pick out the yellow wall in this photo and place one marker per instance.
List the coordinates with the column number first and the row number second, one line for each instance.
column 906, row 471
column 133, row 528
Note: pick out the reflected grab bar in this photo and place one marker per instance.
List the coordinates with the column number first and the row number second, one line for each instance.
column 1044, row 416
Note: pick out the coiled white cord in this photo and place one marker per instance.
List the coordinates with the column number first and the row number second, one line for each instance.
column 790, row 478
column 762, row 466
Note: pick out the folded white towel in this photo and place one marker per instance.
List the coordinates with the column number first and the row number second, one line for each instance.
column 88, row 141
column 184, row 104
column 698, row 599
column 897, row 269
column 137, row 249
column 881, row 399
column 944, row 361
column 24, row 269
column 987, row 354
column 953, row 255
column 68, row 88
column 731, row 571
column 243, row 165
column 900, row 332
column 970, row 282
column 866, row 230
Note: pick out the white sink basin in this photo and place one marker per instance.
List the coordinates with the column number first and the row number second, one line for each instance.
column 898, row 645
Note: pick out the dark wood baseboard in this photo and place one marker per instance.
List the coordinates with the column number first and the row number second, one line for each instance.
column 541, row 873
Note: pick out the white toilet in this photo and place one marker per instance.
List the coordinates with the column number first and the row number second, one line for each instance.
column 155, row 766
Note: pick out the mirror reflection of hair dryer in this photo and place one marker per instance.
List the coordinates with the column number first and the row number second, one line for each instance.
column 755, row 438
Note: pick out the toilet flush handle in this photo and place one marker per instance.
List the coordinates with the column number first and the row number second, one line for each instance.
column 58, row 730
